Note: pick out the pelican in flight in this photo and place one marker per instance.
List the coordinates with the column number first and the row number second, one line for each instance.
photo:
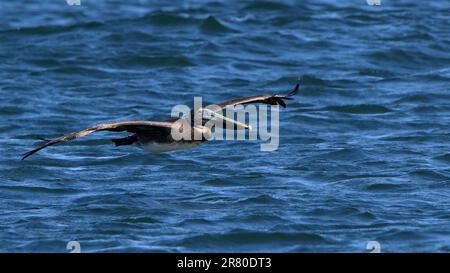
column 157, row 136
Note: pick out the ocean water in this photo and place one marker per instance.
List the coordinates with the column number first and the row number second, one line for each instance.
column 364, row 149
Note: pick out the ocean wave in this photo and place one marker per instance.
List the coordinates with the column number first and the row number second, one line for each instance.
column 160, row 18
column 359, row 109
column 211, row 25
column 240, row 240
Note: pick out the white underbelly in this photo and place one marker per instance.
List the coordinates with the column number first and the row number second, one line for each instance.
column 157, row 147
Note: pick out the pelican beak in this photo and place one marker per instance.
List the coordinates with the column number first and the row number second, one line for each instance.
column 229, row 123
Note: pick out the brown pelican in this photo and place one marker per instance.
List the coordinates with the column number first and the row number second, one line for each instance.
column 157, row 135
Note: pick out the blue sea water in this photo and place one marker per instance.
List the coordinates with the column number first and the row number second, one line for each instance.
column 364, row 152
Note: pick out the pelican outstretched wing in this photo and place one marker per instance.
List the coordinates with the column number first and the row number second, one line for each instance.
column 274, row 99
column 133, row 126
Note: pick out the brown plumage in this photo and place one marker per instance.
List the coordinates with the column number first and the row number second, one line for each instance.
column 132, row 126
column 157, row 131
column 267, row 99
